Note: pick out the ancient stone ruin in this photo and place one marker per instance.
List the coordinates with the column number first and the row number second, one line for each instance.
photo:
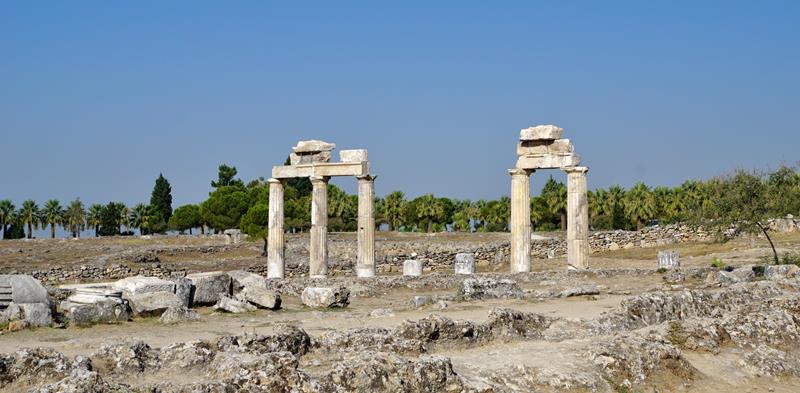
column 541, row 147
column 311, row 159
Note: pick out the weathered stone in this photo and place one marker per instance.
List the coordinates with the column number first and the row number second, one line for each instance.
column 309, row 158
column 551, row 161
column 580, row 291
column 420, row 301
column 353, row 155
column 27, row 300
column 668, row 259
column 153, row 303
column 412, row 267
column 183, row 289
column 542, row 148
column 465, row 263
column 721, row 277
column 489, row 288
column 776, row 272
column 209, row 287
column 179, row 314
column 745, row 273
column 326, row 297
column 261, row 297
column 138, row 285
column 108, row 310
column 242, row 280
column 231, row 305
column 541, row 132
column 313, row 146
column 232, row 236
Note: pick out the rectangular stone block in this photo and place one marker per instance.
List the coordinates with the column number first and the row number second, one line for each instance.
column 541, row 132
column 327, row 169
column 309, row 158
column 354, row 155
column 551, row 161
column 541, row 148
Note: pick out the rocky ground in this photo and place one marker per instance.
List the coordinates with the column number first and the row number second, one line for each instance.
column 622, row 326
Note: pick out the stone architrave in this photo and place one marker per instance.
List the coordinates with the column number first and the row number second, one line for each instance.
column 318, row 263
column 275, row 249
column 520, row 220
column 577, row 218
column 365, row 264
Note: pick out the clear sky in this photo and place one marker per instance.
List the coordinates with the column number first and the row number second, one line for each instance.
column 98, row 98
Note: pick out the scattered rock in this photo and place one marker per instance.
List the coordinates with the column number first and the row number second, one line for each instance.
column 579, row 291
column 179, row 314
column 381, row 312
column 183, row 289
column 489, row 288
column 261, row 297
column 420, row 301
column 326, row 297
column 138, row 285
column 209, row 287
column 776, row 272
column 231, row 305
column 154, row 303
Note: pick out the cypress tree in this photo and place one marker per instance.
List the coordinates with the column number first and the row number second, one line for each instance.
column 161, row 199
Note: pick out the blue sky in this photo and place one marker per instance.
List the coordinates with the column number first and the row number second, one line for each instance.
column 98, row 98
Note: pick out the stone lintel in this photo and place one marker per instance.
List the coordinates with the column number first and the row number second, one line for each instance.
column 327, row 169
column 541, row 132
column 548, row 161
column 540, row 148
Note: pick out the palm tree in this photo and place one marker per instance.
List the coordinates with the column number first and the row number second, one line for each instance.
column 139, row 217
column 93, row 217
column 29, row 214
column 538, row 210
column 393, row 206
column 555, row 197
column 6, row 215
column 52, row 214
column 75, row 217
column 124, row 217
column 640, row 204
column 429, row 209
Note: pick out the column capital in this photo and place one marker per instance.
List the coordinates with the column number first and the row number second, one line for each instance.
column 319, row 179
column 274, row 180
column 576, row 169
column 520, row 172
column 367, row 177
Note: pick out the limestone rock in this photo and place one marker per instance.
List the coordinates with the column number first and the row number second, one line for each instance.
column 668, row 260
column 412, row 267
column 209, row 287
column 543, row 148
column 154, row 303
column 313, row 146
column 231, row 305
column 107, row 310
column 580, row 291
column 721, row 277
column 309, row 158
column 541, row 132
column 550, row 161
column 420, row 301
column 776, row 272
column 138, row 285
column 26, row 300
column 489, row 288
column 354, row 155
column 242, row 280
column 745, row 273
column 179, row 314
column 261, row 297
column 183, row 289
column 465, row 263
column 326, row 297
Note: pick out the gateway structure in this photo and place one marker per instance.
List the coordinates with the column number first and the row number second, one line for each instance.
column 311, row 159
column 541, row 147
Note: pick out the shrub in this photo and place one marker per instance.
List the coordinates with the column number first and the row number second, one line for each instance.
column 717, row 263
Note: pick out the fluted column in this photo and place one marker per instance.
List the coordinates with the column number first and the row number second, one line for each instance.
column 577, row 218
column 318, row 262
column 365, row 265
column 275, row 248
column 520, row 220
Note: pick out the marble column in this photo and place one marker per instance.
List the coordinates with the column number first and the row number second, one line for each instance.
column 318, row 262
column 275, row 247
column 577, row 218
column 520, row 220
column 365, row 265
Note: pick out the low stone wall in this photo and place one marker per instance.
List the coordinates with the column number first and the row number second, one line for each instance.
column 437, row 250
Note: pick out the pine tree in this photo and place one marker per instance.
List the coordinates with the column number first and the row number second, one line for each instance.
column 161, row 199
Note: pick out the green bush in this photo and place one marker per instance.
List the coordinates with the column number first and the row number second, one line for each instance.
column 717, row 263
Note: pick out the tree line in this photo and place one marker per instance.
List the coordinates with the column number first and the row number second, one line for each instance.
column 233, row 203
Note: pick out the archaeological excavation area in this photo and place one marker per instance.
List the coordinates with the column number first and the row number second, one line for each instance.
column 666, row 308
